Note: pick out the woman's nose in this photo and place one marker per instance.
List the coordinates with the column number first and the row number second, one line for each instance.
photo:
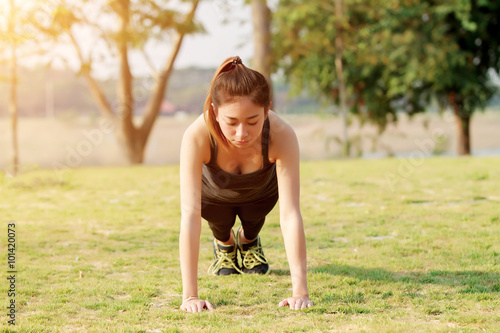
column 241, row 131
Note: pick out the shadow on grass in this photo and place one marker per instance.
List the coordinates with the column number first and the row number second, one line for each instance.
column 470, row 281
column 279, row 272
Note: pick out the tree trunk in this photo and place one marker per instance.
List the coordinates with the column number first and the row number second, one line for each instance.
column 132, row 138
column 154, row 103
column 340, row 75
column 463, row 125
column 133, row 147
column 13, row 110
column 261, row 18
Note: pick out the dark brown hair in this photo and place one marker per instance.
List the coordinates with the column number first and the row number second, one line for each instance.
column 231, row 80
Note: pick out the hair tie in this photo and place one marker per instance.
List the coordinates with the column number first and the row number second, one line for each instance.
column 236, row 61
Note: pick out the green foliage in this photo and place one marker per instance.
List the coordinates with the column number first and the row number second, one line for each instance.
column 397, row 55
column 304, row 48
column 456, row 49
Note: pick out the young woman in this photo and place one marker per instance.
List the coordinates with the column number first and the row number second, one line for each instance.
column 236, row 160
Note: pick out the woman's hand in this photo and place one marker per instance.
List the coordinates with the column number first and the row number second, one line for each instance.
column 194, row 304
column 296, row 302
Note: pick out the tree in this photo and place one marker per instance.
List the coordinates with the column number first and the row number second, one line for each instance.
column 13, row 85
column 322, row 46
column 444, row 50
column 396, row 56
column 13, row 36
column 462, row 81
column 16, row 36
column 261, row 19
column 340, row 73
column 137, row 23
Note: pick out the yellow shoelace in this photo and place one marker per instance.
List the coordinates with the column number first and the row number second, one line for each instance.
column 224, row 260
column 253, row 257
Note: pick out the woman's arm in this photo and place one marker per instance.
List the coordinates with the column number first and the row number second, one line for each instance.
column 191, row 161
column 287, row 167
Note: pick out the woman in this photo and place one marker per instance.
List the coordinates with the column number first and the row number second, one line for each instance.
column 236, row 160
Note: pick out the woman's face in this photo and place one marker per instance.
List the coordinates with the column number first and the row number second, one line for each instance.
column 241, row 121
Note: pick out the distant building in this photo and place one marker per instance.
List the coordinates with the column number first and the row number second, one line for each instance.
column 167, row 108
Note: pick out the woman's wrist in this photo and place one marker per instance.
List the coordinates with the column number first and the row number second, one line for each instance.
column 190, row 298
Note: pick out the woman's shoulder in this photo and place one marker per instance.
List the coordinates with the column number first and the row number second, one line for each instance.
column 280, row 130
column 197, row 138
column 198, row 126
column 281, row 136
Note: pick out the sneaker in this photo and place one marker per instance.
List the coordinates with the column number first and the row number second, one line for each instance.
column 253, row 260
column 226, row 260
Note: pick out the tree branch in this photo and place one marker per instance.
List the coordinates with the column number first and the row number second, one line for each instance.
column 153, row 106
column 96, row 91
column 152, row 70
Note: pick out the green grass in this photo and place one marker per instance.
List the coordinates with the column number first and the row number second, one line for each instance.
column 393, row 245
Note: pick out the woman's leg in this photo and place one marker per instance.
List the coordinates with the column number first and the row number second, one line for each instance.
column 253, row 260
column 220, row 219
column 253, row 216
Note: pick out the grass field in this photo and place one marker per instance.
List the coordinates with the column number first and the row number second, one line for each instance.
column 393, row 246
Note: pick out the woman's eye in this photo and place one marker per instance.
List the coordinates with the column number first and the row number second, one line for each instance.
column 251, row 124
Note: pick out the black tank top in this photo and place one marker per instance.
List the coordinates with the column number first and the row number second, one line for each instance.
column 219, row 187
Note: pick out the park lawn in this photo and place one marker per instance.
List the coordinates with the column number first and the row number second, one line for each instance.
column 407, row 245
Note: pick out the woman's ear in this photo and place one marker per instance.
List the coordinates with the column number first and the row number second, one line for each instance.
column 266, row 111
column 215, row 112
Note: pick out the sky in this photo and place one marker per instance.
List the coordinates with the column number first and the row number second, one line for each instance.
column 228, row 26
column 228, row 33
column 222, row 40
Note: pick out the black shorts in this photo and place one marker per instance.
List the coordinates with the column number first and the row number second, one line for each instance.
column 221, row 218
